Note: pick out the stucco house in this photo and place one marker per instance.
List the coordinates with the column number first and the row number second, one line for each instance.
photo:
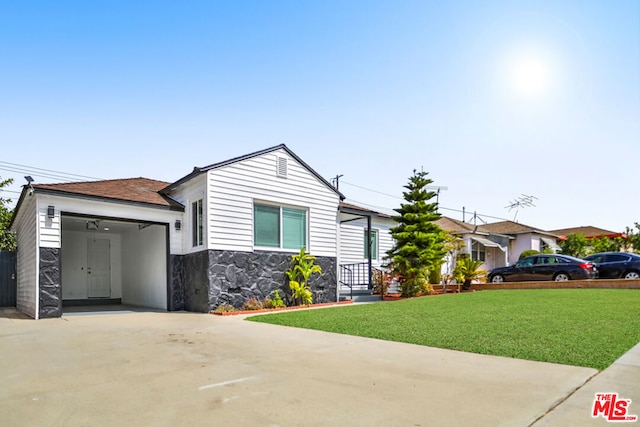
column 480, row 243
column 523, row 237
column 221, row 234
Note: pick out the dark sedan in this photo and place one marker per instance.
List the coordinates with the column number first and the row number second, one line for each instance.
column 544, row 267
column 614, row 265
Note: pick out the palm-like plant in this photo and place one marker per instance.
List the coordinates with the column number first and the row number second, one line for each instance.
column 468, row 270
column 303, row 266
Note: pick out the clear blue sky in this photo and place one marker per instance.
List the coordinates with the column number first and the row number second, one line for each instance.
column 493, row 98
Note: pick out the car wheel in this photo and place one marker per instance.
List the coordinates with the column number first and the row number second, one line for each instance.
column 631, row 275
column 561, row 277
column 498, row 278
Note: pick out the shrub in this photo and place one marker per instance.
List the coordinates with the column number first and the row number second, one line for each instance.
column 277, row 301
column 252, row 304
column 224, row 308
column 527, row 253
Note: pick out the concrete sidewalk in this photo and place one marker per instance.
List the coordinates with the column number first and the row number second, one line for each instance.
column 196, row 369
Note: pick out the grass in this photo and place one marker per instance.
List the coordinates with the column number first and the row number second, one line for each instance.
column 581, row 327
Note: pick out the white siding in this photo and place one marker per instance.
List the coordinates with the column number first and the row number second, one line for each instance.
column 519, row 245
column 50, row 232
column 27, row 258
column 232, row 190
column 352, row 240
column 187, row 193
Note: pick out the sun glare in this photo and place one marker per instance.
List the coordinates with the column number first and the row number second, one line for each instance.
column 530, row 76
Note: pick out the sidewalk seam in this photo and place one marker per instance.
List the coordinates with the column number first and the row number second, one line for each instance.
column 561, row 401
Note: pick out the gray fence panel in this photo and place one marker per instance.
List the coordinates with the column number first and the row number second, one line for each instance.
column 7, row 279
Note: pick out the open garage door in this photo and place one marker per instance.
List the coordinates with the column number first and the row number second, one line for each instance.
column 113, row 261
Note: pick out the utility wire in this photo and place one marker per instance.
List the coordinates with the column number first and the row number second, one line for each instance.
column 477, row 215
column 41, row 172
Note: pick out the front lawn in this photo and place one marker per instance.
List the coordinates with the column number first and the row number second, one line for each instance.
column 582, row 327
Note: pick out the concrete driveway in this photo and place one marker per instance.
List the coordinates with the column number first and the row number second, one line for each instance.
column 168, row 369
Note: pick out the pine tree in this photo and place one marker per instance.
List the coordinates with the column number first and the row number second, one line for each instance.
column 419, row 242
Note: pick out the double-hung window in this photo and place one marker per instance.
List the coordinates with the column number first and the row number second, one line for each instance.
column 478, row 251
column 197, row 226
column 279, row 227
column 374, row 245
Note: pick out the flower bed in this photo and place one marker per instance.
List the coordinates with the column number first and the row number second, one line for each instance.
column 271, row 310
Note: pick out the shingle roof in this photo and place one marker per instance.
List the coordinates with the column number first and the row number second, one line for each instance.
column 511, row 227
column 136, row 190
column 455, row 226
column 588, row 231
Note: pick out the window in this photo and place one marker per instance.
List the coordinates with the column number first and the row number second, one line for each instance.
column 374, row 245
column 197, row 228
column 477, row 251
column 279, row 227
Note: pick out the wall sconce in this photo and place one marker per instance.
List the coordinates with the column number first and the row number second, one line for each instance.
column 178, row 224
column 51, row 212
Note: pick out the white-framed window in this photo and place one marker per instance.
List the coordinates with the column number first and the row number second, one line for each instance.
column 374, row 244
column 279, row 227
column 478, row 251
column 197, row 223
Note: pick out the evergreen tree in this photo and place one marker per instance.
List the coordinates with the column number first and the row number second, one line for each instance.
column 419, row 243
column 7, row 240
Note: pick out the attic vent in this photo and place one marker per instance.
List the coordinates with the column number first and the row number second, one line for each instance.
column 281, row 167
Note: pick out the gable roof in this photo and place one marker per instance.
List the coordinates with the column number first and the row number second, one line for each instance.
column 588, row 231
column 200, row 170
column 511, row 227
column 456, row 226
column 133, row 190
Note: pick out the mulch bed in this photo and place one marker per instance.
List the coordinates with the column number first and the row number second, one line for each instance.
column 271, row 310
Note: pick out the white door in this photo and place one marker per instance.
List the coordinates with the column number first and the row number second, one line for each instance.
column 98, row 268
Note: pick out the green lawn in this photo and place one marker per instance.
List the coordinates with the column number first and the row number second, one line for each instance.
column 582, row 327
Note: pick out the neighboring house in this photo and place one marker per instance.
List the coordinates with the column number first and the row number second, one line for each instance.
column 524, row 237
column 365, row 238
column 221, row 234
column 481, row 244
column 587, row 231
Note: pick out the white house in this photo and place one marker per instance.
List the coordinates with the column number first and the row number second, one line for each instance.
column 221, row 234
column 480, row 243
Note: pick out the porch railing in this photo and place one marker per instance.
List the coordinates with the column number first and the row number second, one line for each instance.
column 355, row 277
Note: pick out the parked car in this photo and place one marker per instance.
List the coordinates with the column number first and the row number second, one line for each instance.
column 614, row 265
column 544, row 267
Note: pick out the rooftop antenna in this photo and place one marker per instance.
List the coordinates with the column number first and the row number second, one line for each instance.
column 522, row 201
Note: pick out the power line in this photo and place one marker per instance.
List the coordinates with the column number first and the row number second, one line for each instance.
column 44, row 173
column 478, row 215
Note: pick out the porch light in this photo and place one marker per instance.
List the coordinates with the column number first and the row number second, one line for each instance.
column 178, row 224
column 51, row 212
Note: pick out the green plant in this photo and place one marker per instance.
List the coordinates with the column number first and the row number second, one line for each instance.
column 302, row 268
column 224, row 308
column 419, row 242
column 528, row 252
column 468, row 270
column 252, row 303
column 7, row 239
column 275, row 302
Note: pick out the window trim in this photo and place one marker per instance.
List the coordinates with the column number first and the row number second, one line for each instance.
column 197, row 223
column 375, row 250
column 478, row 252
column 280, row 247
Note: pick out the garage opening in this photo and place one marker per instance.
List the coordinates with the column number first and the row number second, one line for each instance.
column 113, row 262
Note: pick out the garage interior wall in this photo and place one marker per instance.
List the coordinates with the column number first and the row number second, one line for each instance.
column 138, row 264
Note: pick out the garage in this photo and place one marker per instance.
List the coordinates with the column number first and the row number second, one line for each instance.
column 91, row 243
column 113, row 261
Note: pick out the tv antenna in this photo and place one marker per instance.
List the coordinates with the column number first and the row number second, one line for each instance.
column 522, row 201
